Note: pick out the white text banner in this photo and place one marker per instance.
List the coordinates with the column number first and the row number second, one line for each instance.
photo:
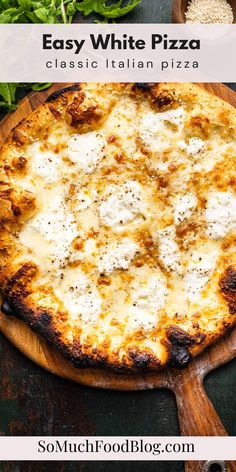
column 113, row 53
column 109, row 448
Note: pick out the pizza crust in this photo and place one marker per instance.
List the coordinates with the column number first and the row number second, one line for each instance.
column 111, row 246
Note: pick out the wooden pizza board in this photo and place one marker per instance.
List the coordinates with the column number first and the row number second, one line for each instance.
column 197, row 415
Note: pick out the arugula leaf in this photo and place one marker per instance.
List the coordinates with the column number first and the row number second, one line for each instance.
column 61, row 11
column 4, row 92
column 8, row 92
column 9, row 107
column 115, row 10
column 12, row 90
column 71, row 9
column 32, row 17
column 25, row 4
column 4, row 18
column 86, row 6
column 41, row 14
column 40, row 86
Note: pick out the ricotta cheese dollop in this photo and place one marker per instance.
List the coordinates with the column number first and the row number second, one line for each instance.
column 44, row 163
column 86, row 150
column 220, row 214
column 152, row 124
column 184, row 206
column 194, row 147
column 123, row 205
column 117, row 256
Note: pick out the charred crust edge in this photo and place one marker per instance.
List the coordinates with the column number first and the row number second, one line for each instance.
column 58, row 93
column 18, row 282
column 145, row 86
column 6, row 308
column 227, row 285
column 141, row 359
column 178, row 345
column 41, row 322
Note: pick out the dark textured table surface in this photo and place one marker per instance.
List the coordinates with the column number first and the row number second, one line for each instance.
column 34, row 402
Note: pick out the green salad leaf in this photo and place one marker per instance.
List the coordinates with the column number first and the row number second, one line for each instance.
column 8, row 95
column 112, row 11
column 8, row 91
column 61, row 11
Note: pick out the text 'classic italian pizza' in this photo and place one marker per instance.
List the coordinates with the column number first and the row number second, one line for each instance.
column 118, row 223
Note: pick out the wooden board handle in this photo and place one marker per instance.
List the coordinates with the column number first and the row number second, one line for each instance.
column 197, row 415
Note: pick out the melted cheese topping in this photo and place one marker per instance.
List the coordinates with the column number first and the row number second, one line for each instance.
column 168, row 250
column 79, row 297
column 127, row 235
column 56, row 226
column 147, row 296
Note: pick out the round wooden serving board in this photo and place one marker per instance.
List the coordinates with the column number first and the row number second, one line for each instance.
column 197, row 416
